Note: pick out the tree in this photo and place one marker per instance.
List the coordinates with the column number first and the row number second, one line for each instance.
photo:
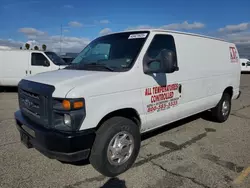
column 27, row 46
column 36, row 48
column 21, row 48
column 44, row 47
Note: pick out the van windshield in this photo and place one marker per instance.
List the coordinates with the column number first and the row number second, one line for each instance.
column 56, row 59
column 114, row 52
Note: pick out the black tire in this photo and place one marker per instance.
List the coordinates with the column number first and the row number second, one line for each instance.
column 99, row 157
column 217, row 112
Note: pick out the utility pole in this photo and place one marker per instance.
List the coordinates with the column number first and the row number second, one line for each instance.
column 61, row 41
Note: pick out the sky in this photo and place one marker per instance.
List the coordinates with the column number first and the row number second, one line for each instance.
column 40, row 21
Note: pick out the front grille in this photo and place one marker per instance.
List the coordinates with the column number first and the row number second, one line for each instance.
column 30, row 102
column 35, row 102
column 34, row 106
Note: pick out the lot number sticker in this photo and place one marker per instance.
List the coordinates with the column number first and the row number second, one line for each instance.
column 137, row 36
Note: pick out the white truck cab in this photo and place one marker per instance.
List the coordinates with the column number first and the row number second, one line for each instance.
column 245, row 65
column 18, row 64
column 120, row 86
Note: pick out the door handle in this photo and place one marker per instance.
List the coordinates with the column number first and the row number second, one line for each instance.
column 30, row 71
column 180, row 88
column 26, row 72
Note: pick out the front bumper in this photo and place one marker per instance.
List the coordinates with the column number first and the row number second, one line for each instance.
column 68, row 147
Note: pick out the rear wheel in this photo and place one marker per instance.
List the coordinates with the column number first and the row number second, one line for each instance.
column 116, row 146
column 222, row 111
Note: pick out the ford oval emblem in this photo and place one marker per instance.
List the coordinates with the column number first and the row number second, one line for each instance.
column 27, row 103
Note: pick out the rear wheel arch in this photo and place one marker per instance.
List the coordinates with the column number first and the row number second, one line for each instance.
column 228, row 90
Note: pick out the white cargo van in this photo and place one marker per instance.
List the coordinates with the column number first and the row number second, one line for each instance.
column 245, row 65
column 18, row 64
column 120, row 86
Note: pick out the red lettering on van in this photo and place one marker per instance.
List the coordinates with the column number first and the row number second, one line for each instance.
column 233, row 54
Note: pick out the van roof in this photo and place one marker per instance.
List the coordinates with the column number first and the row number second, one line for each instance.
column 172, row 31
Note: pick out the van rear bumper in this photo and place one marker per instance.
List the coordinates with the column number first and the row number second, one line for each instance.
column 67, row 147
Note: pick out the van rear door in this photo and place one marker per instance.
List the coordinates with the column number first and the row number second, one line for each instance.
column 38, row 63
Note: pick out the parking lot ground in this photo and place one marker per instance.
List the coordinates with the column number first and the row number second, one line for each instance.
column 191, row 153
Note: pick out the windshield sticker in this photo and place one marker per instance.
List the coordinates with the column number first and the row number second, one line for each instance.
column 137, row 36
column 162, row 97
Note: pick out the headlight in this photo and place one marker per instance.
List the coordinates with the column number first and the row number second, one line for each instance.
column 67, row 119
column 68, row 104
column 68, row 114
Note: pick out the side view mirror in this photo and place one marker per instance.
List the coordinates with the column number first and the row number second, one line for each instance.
column 166, row 63
column 46, row 63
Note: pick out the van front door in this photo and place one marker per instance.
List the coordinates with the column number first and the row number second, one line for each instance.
column 39, row 63
column 161, row 92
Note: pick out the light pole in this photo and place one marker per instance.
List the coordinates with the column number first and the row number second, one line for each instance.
column 61, row 41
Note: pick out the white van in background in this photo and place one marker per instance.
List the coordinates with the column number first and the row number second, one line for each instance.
column 245, row 65
column 120, row 86
column 18, row 64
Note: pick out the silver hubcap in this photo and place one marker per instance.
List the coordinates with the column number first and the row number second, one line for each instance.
column 120, row 148
column 225, row 108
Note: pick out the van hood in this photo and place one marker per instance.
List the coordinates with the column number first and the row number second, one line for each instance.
column 68, row 79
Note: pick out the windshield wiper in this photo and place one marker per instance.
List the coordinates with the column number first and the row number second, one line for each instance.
column 99, row 65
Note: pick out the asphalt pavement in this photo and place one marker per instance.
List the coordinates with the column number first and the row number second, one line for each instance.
column 191, row 153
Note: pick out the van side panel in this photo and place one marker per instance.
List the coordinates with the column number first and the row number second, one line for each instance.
column 15, row 65
column 205, row 71
column 205, row 66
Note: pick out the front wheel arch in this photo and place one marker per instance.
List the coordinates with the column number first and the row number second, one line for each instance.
column 129, row 113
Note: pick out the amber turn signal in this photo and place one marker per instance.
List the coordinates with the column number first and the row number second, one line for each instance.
column 66, row 104
column 78, row 104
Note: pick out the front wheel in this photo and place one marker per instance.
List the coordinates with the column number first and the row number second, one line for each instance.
column 222, row 111
column 116, row 146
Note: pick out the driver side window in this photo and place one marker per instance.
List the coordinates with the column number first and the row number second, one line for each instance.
column 38, row 59
column 160, row 42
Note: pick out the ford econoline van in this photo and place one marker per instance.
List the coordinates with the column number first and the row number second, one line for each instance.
column 120, row 86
